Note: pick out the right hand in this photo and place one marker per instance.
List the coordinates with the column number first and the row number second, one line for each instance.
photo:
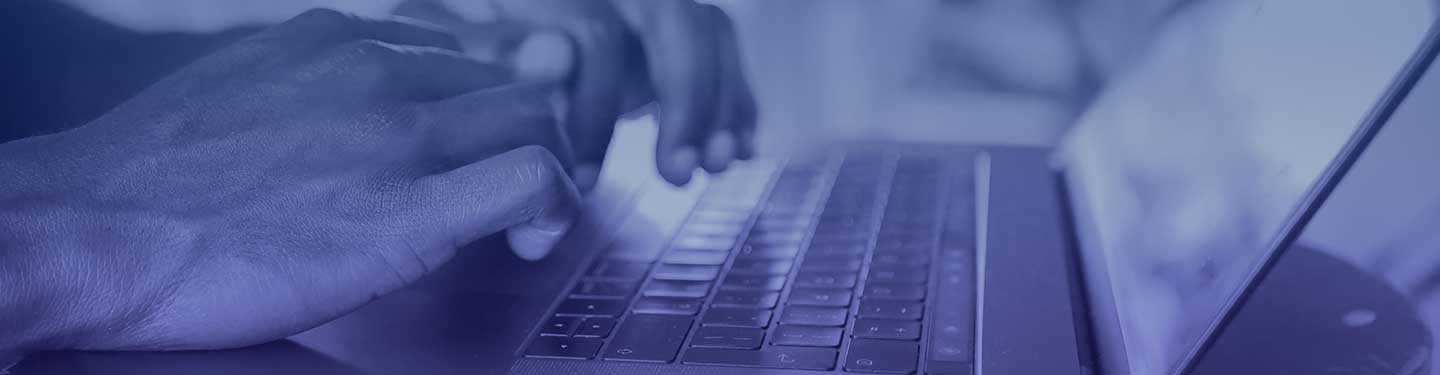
column 272, row 187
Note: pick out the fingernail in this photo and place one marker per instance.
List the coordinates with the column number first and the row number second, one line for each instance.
column 586, row 176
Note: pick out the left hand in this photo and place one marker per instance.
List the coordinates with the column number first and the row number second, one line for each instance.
column 623, row 55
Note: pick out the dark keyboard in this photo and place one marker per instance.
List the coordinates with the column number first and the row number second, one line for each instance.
column 862, row 262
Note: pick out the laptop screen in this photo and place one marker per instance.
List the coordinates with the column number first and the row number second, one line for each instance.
column 1187, row 167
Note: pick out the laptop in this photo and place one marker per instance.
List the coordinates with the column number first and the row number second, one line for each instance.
column 1128, row 250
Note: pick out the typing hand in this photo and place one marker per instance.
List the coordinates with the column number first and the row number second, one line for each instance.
column 271, row 187
column 623, row 55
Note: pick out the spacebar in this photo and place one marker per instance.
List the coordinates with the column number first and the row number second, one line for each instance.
column 772, row 357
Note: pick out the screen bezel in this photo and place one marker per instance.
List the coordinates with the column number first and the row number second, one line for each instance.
column 1315, row 196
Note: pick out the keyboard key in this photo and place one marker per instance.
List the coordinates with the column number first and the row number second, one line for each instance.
column 856, row 249
column 824, row 264
column 894, row 291
column 591, row 307
column 819, row 297
column 768, row 252
column 728, row 338
column 696, row 257
column 899, row 275
column 679, row 272
column 901, row 259
column 760, row 267
column 701, row 228
column 885, row 309
column 563, row 347
column 772, row 357
column 736, row 317
column 828, row 337
column 595, row 327
column 648, row 338
column 559, row 326
column 886, row 329
column 753, row 282
column 750, row 299
column 716, row 243
column 603, row 289
column 814, row 316
column 668, row 288
column 825, row 280
column 619, row 270
column 668, row 306
column 949, row 368
column 882, row 356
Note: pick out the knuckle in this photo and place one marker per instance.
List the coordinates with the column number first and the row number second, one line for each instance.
column 322, row 19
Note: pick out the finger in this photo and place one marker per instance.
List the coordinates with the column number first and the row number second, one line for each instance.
column 325, row 26
column 735, row 114
column 478, row 125
column 424, row 73
column 595, row 97
column 680, row 48
column 524, row 191
column 534, row 54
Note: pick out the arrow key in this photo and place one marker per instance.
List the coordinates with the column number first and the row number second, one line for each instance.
column 563, row 347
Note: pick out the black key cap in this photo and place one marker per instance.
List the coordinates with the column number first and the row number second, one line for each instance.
column 736, row 317
column 695, row 257
column 828, row 280
column 822, row 264
column 753, row 282
column 881, row 356
column 814, row 316
column 728, row 338
column 712, row 229
column 680, row 272
column 760, row 267
column 768, row 252
column 648, row 338
column 685, row 289
column 883, row 309
column 559, row 326
column 887, row 329
column 827, row 337
column 604, row 289
column 595, row 327
column 819, row 297
column 949, row 368
column 750, row 299
column 771, row 357
column 894, row 291
column 668, row 306
column 591, row 307
column 720, row 243
column 855, row 249
column 563, row 347
column 619, row 270
column 901, row 259
column 899, row 275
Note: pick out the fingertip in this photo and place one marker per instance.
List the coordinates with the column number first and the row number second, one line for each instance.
column 745, row 145
column 680, row 165
column 719, row 151
column 533, row 242
column 545, row 56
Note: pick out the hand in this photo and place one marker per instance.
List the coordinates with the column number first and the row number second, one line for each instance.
column 629, row 53
column 271, row 187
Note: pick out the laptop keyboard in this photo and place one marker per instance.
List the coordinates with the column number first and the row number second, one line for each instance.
column 860, row 262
